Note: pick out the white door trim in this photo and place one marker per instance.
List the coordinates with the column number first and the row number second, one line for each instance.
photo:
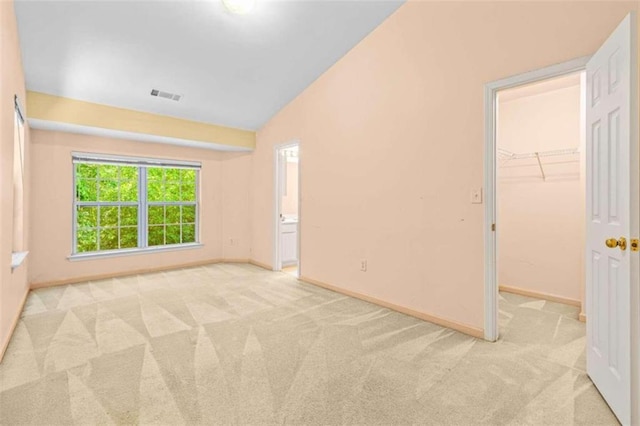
column 635, row 228
column 490, row 115
column 277, row 193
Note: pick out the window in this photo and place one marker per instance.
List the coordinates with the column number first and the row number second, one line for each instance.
column 171, row 195
column 18, row 245
column 129, row 204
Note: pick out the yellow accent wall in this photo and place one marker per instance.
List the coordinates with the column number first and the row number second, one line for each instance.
column 58, row 109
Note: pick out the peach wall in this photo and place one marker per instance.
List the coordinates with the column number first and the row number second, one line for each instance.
column 406, row 106
column 540, row 223
column 236, row 201
column 52, row 198
column 13, row 285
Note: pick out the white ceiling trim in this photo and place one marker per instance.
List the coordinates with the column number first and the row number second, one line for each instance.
column 56, row 126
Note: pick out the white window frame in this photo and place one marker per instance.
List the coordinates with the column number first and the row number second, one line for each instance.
column 19, row 253
column 142, row 204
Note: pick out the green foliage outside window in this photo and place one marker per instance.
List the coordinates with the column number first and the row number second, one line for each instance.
column 117, row 225
column 171, row 223
column 171, row 185
column 98, row 182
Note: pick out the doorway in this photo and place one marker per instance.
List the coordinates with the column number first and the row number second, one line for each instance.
column 492, row 162
column 287, row 209
column 540, row 200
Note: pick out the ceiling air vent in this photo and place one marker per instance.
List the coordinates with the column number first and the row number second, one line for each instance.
column 165, row 95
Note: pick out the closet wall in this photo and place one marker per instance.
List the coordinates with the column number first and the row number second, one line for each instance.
column 541, row 220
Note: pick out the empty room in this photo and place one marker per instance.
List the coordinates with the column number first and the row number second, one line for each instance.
column 319, row 212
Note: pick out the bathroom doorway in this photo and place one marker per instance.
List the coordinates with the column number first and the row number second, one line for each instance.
column 287, row 209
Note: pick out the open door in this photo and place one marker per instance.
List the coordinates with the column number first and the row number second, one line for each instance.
column 286, row 238
column 612, row 216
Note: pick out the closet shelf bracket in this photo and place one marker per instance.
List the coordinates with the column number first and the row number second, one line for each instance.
column 544, row 178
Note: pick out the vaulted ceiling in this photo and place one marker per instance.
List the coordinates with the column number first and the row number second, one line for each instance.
column 231, row 70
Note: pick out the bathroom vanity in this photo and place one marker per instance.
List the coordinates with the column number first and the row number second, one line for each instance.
column 289, row 242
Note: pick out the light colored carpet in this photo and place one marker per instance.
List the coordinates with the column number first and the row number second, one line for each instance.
column 291, row 270
column 235, row 344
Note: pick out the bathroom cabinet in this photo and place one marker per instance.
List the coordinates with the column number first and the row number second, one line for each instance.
column 289, row 243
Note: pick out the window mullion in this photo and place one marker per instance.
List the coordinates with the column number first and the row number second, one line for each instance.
column 142, row 207
column 172, row 203
column 74, row 248
column 197, row 201
column 98, row 227
column 106, row 203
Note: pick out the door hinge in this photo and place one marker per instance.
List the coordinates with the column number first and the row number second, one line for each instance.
column 493, row 226
column 635, row 244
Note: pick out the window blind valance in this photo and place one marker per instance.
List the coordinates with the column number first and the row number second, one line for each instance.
column 83, row 157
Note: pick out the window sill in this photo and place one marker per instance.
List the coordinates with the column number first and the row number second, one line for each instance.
column 131, row 252
column 18, row 258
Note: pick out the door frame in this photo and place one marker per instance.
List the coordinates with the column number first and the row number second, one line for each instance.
column 277, row 195
column 491, row 90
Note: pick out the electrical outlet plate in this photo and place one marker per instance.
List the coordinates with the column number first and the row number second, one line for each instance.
column 363, row 265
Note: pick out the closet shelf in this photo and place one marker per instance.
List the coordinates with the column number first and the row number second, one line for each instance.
column 506, row 156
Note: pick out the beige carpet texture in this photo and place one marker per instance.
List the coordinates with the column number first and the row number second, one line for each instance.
column 235, row 344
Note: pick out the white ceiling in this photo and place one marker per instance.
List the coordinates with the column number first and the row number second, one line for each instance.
column 233, row 70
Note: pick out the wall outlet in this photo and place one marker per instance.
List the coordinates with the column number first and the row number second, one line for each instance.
column 476, row 196
column 363, row 265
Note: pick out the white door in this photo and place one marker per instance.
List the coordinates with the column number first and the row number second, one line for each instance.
column 280, row 184
column 612, row 214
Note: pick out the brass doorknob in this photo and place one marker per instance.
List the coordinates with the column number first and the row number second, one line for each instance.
column 613, row 243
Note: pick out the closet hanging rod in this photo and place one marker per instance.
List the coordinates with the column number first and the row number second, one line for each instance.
column 508, row 155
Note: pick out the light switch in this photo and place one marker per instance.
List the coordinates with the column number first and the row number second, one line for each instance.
column 476, row 196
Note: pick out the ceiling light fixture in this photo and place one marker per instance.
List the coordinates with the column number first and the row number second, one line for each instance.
column 239, row 7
